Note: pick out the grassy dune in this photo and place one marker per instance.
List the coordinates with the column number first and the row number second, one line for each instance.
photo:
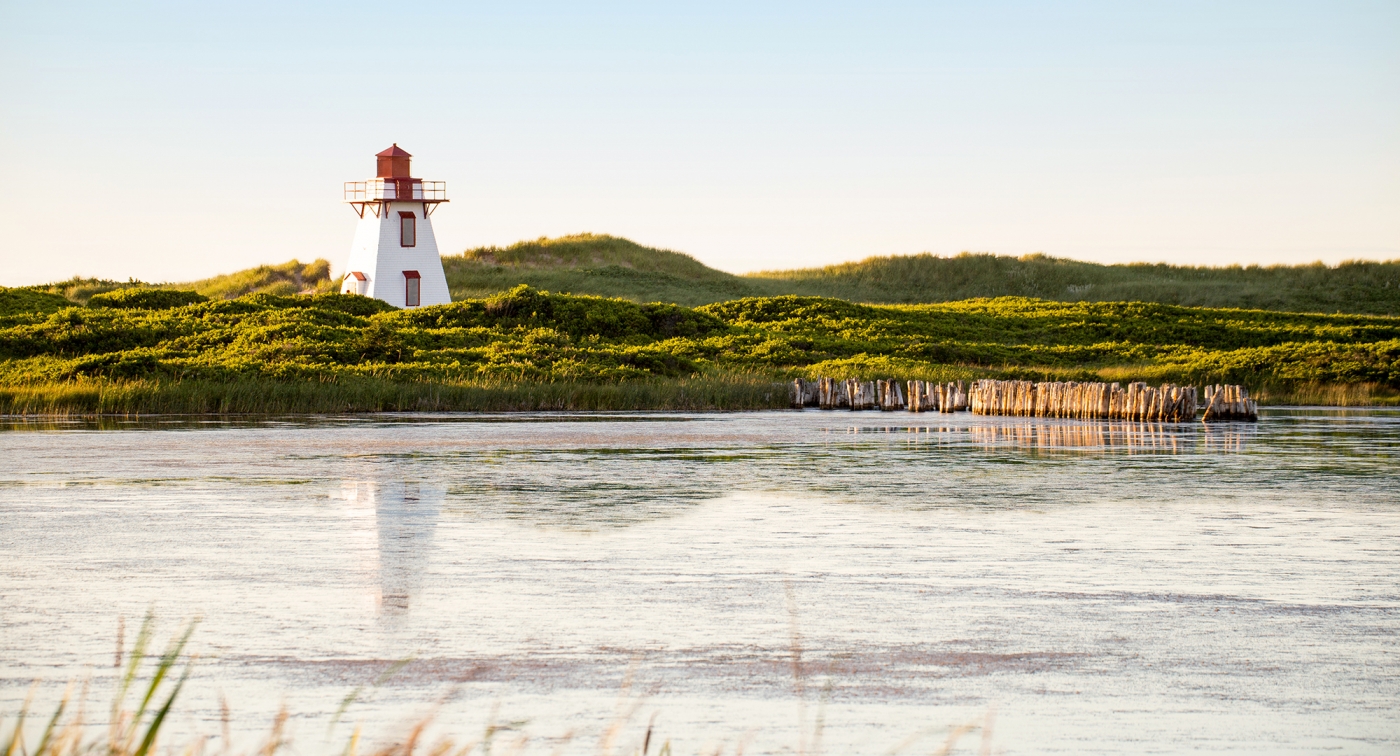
column 604, row 266
column 288, row 278
column 613, row 267
column 1352, row 287
column 609, row 266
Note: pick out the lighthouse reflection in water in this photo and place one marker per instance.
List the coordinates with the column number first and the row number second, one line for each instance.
column 394, row 526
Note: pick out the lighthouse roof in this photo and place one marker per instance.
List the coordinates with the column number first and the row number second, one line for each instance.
column 395, row 151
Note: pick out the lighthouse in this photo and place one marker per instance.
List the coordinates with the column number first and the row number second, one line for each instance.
column 394, row 256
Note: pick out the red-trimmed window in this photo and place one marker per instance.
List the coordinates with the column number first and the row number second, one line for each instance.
column 408, row 230
column 411, row 280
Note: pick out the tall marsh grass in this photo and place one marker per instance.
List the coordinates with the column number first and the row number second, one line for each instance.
column 132, row 730
column 149, row 687
column 158, row 396
column 1330, row 395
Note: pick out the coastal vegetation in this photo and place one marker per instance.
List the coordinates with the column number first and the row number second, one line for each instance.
column 288, row 278
column 609, row 266
column 141, row 350
column 614, row 267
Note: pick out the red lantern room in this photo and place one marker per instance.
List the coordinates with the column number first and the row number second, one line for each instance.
column 393, row 162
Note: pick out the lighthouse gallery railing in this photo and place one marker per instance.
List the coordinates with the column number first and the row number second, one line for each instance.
column 388, row 189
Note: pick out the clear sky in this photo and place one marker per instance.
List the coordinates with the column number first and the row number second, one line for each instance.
column 168, row 141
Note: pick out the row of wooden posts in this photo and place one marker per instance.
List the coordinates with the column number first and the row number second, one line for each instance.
column 1070, row 399
column 1086, row 401
column 922, row 396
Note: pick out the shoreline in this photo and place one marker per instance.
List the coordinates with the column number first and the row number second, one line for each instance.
column 268, row 398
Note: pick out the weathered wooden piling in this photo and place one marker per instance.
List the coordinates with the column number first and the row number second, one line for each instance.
column 890, row 395
column 803, row 393
column 832, row 394
column 1225, row 403
column 1135, row 401
column 923, row 396
column 1063, row 399
column 952, row 397
column 863, row 395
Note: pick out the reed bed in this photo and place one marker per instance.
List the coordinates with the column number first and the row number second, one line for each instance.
column 156, row 396
column 1330, row 395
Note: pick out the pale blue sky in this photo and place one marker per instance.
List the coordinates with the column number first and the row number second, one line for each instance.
column 170, row 141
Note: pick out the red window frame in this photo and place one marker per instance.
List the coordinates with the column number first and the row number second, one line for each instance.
column 412, row 288
column 408, row 222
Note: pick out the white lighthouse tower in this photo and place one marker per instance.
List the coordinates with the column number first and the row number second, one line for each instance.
column 395, row 255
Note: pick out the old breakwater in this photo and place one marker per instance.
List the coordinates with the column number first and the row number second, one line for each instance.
column 1063, row 399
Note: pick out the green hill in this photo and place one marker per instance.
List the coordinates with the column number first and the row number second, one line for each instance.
column 1352, row 287
column 613, row 267
column 288, row 278
column 602, row 265
column 609, row 266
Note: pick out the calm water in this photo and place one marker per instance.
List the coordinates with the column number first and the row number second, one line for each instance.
column 1098, row 588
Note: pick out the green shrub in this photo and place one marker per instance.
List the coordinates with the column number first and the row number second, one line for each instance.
column 146, row 299
column 27, row 301
column 351, row 304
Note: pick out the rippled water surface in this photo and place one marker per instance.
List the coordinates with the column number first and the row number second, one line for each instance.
column 1096, row 588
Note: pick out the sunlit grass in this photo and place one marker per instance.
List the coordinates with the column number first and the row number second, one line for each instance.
column 615, row 267
column 1331, row 395
column 132, row 730
column 158, row 396
column 291, row 277
column 611, row 266
column 1354, row 286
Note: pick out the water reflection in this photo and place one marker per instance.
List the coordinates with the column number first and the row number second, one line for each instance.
column 395, row 522
column 1227, row 437
column 1156, row 438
